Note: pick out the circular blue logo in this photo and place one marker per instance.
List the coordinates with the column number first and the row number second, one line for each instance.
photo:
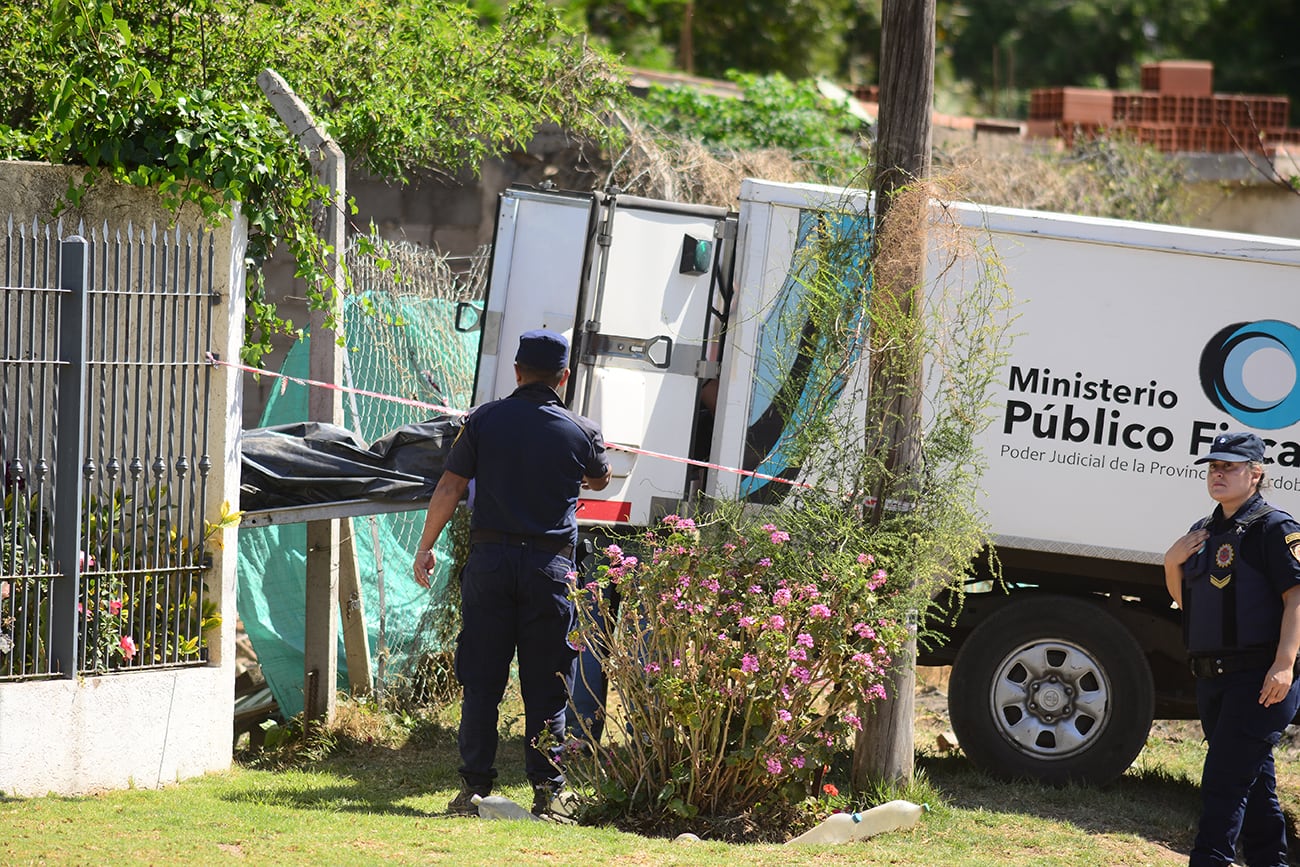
column 1230, row 387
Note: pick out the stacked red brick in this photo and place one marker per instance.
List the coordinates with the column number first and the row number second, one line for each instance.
column 1176, row 111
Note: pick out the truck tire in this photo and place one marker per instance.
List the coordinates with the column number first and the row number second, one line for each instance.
column 1051, row 688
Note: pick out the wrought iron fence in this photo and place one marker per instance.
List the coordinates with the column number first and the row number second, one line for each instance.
column 103, row 440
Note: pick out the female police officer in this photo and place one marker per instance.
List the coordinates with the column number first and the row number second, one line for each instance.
column 529, row 457
column 1236, row 575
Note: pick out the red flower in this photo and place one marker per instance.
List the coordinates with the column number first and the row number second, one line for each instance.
column 830, row 790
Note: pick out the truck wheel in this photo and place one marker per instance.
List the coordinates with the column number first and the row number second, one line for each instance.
column 1051, row 688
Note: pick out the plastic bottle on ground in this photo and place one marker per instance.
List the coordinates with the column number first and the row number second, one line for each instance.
column 498, row 807
column 843, row 827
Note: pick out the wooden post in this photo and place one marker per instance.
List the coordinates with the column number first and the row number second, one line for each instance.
column 325, row 364
column 883, row 751
column 352, row 613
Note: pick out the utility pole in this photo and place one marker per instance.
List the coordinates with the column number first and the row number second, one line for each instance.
column 883, row 751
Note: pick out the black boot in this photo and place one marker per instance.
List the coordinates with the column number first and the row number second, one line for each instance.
column 463, row 804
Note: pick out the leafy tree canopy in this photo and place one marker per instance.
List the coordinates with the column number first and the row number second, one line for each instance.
column 164, row 93
column 774, row 113
column 797, row 38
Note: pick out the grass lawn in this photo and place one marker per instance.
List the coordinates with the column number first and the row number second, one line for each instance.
column 382, row 803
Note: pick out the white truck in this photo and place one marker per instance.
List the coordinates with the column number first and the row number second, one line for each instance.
column 1134, row 345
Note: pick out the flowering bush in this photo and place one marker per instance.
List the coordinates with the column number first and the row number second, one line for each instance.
column 741, row 659
column 140, row 601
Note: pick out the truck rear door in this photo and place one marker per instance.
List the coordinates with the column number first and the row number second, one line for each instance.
column 640, row 289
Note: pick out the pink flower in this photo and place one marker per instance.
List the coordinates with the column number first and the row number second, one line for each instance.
column 797, row 654
column 128, row 647
column 877, row 691
column 677, row 663
column 797, row 761
column 652, row 668
column 784, row 715
column 877, row 579
column 781, row 597
column 746, row 622
column 115, row 607
column 853, row 720
column 866, row 559
column 615, row 554
column 864, row 631
column 571, row 576
column 678, row 522
column 820, row 611
column 769, row 527
column 773, row 765
column 754, row 590
column 749, row 663
column 779, row 536
column 803, row 639
column 765, row 562
column 776, row 621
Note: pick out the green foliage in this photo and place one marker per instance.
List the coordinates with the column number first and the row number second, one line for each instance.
column 1114, row 176
column 167, row 98
column 139, row 601
column 1006, row 49
column 25, row 598
column 774, row 113
column 711, row 37
column 741, row 657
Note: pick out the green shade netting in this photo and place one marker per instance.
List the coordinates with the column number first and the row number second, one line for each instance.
column 396, row 345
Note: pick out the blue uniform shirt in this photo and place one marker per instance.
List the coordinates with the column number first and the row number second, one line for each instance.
column 528, row 455
column 1233, row 586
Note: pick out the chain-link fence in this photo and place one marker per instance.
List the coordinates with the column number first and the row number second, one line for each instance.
column 401, row 340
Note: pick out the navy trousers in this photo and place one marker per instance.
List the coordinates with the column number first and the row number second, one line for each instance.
column 1238, row 787
column 514, row 598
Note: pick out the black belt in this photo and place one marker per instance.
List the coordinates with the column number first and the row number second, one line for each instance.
column 546, row 544
column 1212, row 665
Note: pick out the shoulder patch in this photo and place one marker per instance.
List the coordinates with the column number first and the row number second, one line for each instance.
column 1292, row 538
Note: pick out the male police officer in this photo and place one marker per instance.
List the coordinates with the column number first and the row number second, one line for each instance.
column 1236, row 575
column 529, row 457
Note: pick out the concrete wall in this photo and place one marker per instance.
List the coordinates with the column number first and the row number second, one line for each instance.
column 1254, row 208
column 147, row 728
column 142, row 729
column 1244, row 193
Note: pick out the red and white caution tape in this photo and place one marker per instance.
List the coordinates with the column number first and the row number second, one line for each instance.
column 285, row 379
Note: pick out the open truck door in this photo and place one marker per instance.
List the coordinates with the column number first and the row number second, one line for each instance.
column 641, row 290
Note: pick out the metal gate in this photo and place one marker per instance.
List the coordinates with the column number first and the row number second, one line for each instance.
column 104, row 447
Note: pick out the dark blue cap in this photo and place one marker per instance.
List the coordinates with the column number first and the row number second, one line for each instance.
column 543, row 350
column 1235, row 447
